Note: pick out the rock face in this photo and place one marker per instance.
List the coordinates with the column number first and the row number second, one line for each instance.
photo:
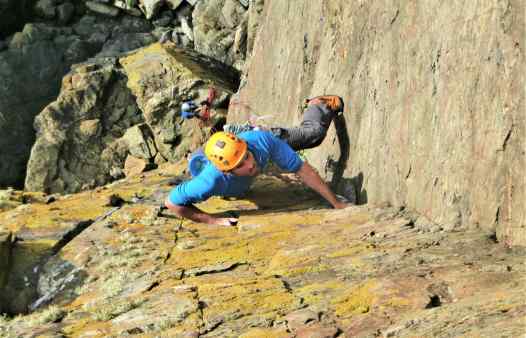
column 434, row 117
column 77, row 134
column 31, row 70
column 174, row 75
column 5, row 258
column 33, row 61
column 109, row 109
column 6, row 249
column 291, row 268
column 220, row 30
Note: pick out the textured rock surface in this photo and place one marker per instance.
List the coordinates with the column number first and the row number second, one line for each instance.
column 174, row 75
column 215, row 27
column 77, row 141
column 435, row 114
column 6, row 249
column 33, row 60
column 6, row 240
column 31, row 70
column 294, row 269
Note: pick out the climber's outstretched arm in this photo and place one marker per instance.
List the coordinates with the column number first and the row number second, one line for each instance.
column 312, row 179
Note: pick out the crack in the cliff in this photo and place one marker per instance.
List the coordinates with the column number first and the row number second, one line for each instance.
column 288, row 288
column 67, row 237
column 214, row 326
column 78, row 229
column 192, row 272
column 286, row 284
column 395, row 16
column 497, row 216
column 507, row 138
column 201, row 305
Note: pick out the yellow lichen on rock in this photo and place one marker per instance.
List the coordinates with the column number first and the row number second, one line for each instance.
column 141, row 272
column 358, row 301
column 353, row 250
column 319, row 294
column 229, row 297
column 266, row 333
column 147, row 61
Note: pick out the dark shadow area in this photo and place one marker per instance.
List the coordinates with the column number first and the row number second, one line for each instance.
column 351, row 188
column 343, row 140
column 31, row 261
column 218, row 125
column 356, row 184
column 14, row 15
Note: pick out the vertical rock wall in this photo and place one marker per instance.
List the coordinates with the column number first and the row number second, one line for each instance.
column 435, row 112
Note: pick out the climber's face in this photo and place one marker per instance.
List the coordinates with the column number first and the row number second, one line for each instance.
column 247, row 167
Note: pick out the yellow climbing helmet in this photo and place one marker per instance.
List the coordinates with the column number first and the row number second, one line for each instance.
column 225, row 150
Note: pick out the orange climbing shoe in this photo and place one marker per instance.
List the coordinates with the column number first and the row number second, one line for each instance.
column 333, row 102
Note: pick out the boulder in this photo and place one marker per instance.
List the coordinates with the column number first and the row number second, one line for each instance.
column 32, row 67
column 140, row 141
column 187, row 29
column 134, row 166
column 78, row 134
column 103, row 9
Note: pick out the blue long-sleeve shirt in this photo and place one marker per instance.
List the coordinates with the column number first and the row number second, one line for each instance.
column 212, row 182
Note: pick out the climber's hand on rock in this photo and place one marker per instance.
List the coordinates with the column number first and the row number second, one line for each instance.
column 226, row 221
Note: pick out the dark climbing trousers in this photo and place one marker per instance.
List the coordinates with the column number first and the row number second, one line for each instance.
column 311, row 132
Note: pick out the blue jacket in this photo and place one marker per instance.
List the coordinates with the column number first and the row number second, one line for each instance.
column 213, row 182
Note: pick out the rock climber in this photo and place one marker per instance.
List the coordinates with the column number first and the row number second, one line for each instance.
column 234, row 161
